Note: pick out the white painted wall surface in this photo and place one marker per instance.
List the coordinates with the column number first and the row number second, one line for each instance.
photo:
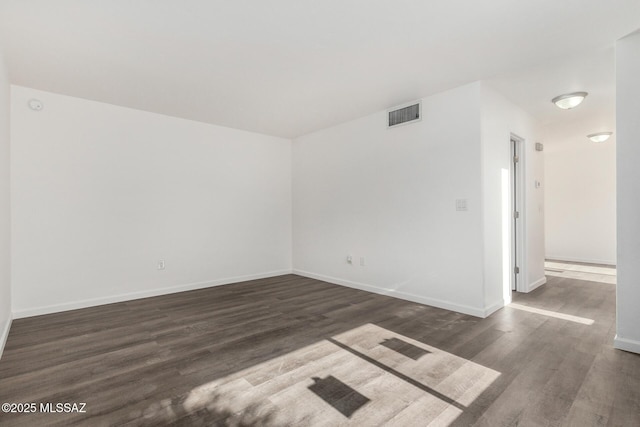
column 5, row 207
column 389, row 195
column 581, row 200
column 101, row 193
column 500, row 119
column 534, row 206
column 628, row 184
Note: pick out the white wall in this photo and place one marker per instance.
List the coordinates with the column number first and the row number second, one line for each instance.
column 389, row 195
column 628, row 183
column 5, row 210
column 581, row 200
column 534, row 216
column 500, row 120
column 101, row 193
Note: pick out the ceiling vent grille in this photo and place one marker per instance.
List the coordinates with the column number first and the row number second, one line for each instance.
column 407, row 113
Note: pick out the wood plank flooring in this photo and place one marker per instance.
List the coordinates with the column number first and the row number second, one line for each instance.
column 581, row 271
column 291, row 351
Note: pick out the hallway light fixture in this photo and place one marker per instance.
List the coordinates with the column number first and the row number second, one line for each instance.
column 569, row 100
column 600, row 136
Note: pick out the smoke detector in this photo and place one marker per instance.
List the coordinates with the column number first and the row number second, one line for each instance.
column 35, row 104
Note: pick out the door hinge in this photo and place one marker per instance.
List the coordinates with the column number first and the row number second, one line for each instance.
column 516, row 270
column 516, row 158
column 516, row 214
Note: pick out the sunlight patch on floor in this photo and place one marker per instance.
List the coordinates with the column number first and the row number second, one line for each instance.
column 592, row 273
column 376, row 375
column 555, row 314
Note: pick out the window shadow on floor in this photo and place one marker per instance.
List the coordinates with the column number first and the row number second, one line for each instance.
column 404, row 348
column 343, row 398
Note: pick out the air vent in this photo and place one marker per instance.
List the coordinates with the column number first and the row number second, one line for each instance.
column 407, row 113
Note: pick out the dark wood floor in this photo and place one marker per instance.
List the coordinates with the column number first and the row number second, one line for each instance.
column 297, row 351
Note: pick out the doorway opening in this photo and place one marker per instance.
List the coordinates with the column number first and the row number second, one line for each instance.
column 517, row 212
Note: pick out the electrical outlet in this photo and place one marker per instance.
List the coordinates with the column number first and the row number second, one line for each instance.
column 161, row 264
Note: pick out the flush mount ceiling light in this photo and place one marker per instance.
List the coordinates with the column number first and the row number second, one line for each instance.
column 600, row 136
column 569, row 100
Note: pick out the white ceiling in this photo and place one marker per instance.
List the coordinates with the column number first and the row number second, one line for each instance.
column 289, row 67
column 532, row 90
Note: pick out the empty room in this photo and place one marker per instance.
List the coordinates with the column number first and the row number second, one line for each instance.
column 319, row 213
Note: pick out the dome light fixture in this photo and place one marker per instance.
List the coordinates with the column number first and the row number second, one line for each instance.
column 600, row 136
column 569, row 100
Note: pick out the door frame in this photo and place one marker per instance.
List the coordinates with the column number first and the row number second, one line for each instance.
column 517, row 204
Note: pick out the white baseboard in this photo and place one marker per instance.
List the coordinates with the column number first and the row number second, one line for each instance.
column 447, row 305
column 508, row 299
column 626, row 344
column 56, row 308
column 541, row 281
column 488, row 311
column 585, row 260
column 5, row 334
